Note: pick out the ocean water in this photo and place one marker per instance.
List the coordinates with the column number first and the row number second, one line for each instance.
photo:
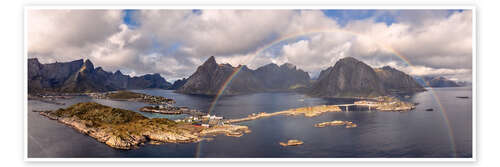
column 444, row 132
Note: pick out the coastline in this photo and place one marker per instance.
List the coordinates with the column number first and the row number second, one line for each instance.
column 134, row 133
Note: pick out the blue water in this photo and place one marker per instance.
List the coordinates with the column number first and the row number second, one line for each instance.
column 418, row 133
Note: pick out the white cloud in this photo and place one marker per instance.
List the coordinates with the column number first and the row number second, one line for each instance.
column 64, row 34
column 175, row 42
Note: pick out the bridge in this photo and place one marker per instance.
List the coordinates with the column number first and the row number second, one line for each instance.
column 354, row 104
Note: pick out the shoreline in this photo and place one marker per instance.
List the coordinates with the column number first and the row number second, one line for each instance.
column 132, row 134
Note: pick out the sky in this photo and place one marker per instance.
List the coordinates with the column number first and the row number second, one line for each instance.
column 174, row 43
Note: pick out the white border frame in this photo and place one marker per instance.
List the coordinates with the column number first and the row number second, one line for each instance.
column 255, row 7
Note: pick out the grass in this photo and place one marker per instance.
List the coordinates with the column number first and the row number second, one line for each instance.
column 124, row 95
column 118, row 122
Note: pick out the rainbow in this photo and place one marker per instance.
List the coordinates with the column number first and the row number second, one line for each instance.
column 228, row 81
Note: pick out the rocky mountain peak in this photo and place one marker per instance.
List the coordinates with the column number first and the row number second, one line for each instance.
column 288, row 66
column 209, row 65
column 118, row 72
column 210, row 61
column 80, row 76
column 349, row 77
column 88, row 66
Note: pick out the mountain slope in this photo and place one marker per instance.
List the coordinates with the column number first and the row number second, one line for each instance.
column 80, row 76
column 397, row 81
column 348, row 78
column 209, row 78
column 284, row 77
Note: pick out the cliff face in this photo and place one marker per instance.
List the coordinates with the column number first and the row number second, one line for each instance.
column 397, row 81
column 79, row 76
column 348, row 78
column 284, row 77
column 50, row 76
column 210, row 77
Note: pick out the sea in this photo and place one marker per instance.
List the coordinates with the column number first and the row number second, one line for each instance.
column 444, row 132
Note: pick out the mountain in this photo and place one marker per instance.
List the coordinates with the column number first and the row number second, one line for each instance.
column 284, row 77
column 50, row 76
column 209, row 78
column 178, row 83
column 439, row 81
column 397, row 81
column 148, row 81
column 81, row 76
column 348, row 78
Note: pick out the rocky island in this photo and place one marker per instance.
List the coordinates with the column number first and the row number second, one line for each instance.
column 386, row 103
column 347, row 124
column 292, row 142
column 125, row 129
column 306, row 111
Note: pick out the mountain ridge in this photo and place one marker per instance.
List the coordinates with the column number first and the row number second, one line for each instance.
column 80, row 76
column 210, row 77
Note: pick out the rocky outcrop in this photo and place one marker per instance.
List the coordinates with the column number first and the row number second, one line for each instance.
column 397, row 81
column 348, row 78
column 210, row 77
column 81, row 76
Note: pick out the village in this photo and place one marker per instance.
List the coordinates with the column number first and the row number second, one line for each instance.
column 198, row 118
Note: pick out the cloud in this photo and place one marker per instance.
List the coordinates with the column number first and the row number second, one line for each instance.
column 174, row 42
column 433, row 44
column 215, row 32
column 65, row 34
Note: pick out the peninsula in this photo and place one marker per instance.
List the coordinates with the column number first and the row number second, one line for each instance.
column 125, row 129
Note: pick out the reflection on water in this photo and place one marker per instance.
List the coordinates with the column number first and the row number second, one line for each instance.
column 379, row 134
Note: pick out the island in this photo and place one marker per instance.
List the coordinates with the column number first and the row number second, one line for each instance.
column 347, row 124
column 381, row 103
column 125, row 129
column 386, row 103
column 292, row 142
column 311, row 111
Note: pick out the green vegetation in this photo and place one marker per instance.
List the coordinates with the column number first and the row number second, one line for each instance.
column 124, row 95
column 118, row 122
column 133, row 96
